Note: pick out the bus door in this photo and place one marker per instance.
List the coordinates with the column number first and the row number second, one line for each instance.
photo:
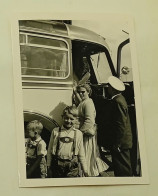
column 124, row 72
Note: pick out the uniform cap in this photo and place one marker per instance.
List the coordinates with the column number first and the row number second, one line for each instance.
column 116, row 83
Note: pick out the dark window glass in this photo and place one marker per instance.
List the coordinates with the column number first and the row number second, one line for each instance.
column 39, row 61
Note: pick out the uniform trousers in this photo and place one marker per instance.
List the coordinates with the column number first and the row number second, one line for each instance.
column 122, row 162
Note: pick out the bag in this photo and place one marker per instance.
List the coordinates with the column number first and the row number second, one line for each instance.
column 92, row 131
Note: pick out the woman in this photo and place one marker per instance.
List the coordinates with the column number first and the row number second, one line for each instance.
column 87, row 114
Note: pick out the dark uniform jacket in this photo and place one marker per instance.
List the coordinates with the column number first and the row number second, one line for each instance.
column 120, row 126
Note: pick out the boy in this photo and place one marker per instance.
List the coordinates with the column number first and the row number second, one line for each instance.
column 66, row 147
column 35, row 151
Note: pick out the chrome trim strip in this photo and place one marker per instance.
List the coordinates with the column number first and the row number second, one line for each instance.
column 46, row 82
column 49, row 88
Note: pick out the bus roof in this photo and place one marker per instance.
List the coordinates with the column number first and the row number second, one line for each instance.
column 80, row 33
column 61, row 29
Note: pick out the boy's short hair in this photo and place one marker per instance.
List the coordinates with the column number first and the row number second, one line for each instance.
column 71, row 110
column 35, row 125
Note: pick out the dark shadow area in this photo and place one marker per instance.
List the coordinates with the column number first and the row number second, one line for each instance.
column 104, row 113
column 57, row 112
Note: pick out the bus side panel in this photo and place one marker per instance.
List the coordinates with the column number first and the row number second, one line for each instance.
column 49, row 102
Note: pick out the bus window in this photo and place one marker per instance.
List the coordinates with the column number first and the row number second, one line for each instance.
column 43, row 57
column 46, row 42
column 101, row 67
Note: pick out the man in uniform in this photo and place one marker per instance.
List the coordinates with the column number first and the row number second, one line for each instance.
column 120, row 129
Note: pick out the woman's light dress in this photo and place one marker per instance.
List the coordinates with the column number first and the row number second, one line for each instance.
column 87, row 114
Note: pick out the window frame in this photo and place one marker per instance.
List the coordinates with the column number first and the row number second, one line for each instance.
column 48, row 47
column 96, row 71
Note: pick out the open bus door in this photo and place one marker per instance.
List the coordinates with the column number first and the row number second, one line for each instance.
column 124, row 72
column 101, row 72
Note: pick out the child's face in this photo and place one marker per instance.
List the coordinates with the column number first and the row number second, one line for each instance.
column 68, row 120
column 32, row 133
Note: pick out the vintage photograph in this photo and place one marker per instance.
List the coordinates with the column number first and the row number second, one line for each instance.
column 78, row 102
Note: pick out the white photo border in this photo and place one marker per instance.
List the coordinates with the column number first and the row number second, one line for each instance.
column 23, row 181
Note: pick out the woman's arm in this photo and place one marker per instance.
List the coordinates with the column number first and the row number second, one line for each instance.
column 76, row 97
column 89, row 118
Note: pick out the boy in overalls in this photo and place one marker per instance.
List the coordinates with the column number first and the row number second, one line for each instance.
column 65, row 149
column 35, row 151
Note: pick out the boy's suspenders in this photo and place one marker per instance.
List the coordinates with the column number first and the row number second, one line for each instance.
column 73, row 145
column 57, row 146
column 37, row 146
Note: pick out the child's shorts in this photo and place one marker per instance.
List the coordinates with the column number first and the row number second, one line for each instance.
column 40, row 171
column 65, row 168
